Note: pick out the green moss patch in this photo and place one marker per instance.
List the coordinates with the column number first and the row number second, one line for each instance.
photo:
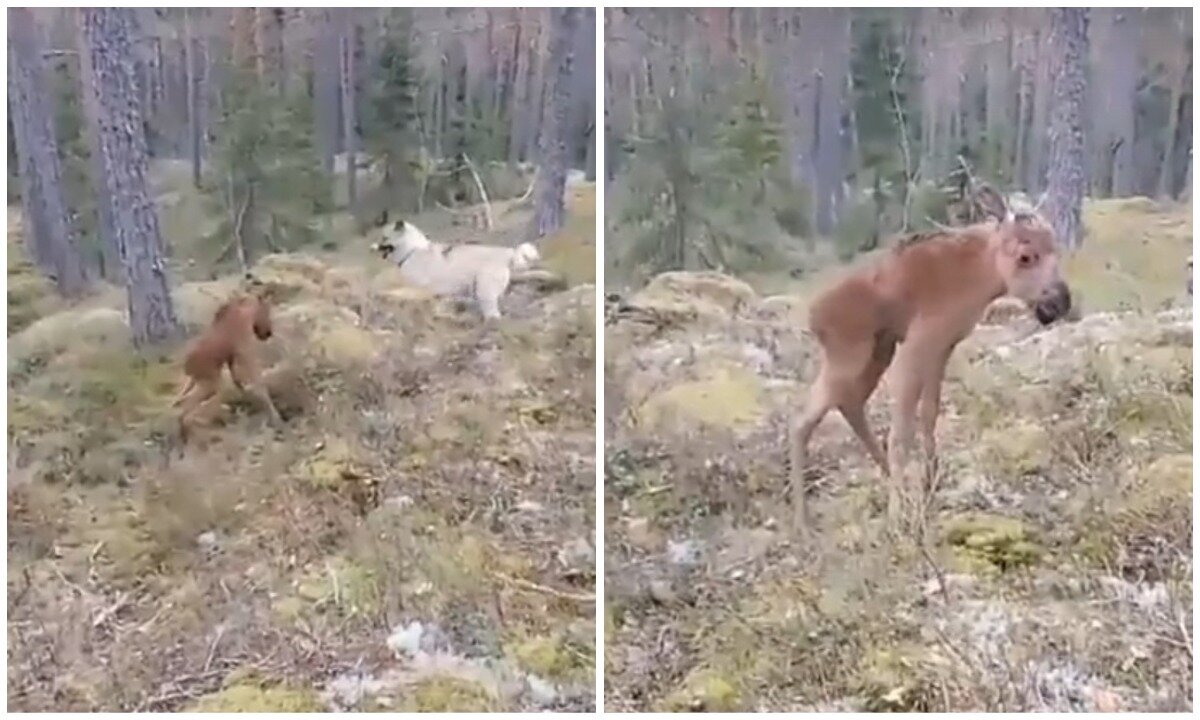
column 449, row 694
column 704, row 691
column 981, row 543
column 725, row 398
column 248, row 697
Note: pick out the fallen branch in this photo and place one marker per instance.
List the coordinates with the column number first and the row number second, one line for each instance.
column 527, row 585
column 544, row 279
column 104, row 615
column 487, row 206
column 528, row 191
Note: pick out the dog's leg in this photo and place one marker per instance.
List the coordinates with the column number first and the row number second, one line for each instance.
column 489, row 286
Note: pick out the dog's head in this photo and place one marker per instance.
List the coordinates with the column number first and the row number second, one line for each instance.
column 400, row 237
column 524, row 255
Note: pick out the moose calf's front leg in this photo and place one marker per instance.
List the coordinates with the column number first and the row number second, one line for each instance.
column 907, row 388
column 246, row 376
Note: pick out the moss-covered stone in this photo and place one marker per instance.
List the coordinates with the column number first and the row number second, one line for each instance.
column 726, row 397
column 1017, row 448
column 1152, row 517
column 330, row 466
column 350, row 588
column 986, row 544
column 249, row 697
column 704, row 691
column 548, row 657
column 685, row 297
column 891, row 680
column 449, row 694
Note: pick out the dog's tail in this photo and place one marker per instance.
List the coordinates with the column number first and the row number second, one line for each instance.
column 187, row 388
column 523, row 256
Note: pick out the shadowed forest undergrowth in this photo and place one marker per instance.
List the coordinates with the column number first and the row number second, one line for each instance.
column 1057, row 571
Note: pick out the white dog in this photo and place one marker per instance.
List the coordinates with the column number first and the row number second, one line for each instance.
column 481, row 272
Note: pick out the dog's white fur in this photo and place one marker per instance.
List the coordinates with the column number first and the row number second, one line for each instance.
column 481, row 272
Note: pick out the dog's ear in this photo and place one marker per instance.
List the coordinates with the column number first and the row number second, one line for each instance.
column 399, row 226
column 383, row 218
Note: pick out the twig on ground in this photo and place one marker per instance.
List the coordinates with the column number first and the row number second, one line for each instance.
column 529, row 585
column 212, row 649
column 104, row 615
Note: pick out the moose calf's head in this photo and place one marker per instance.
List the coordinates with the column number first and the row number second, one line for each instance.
column 1027, row 259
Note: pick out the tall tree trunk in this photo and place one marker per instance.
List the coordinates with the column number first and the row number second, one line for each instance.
column 830, row 141
column 800, row 34
column 1065, row 179
column 49, row 234
column 110, row 255
column 349, row 82
column 1115, row 57
column 1181, row 81
column 195, row 128
column 105, row 35
column 516, row 74
column 269, row 37
column 553, row 141
column 1042, row 89
column 325, row 85
column 242, row 32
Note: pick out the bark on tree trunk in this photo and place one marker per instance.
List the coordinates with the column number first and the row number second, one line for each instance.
column 325, row 86
column 193, row 97
column 830, row 140
column 1042, row 89
column 105, row 35
column 349, row 84
column 552, row 147
column 269, row 38
column 48, row 232
column 1182, row 81
column 1065, row 180
column 1115, row 57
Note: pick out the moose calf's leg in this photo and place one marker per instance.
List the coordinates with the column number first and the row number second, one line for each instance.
column 853, row 404
column 930, row 407
column 817, row 406
column 906, row 387
column 245, row 374
column 202, row 391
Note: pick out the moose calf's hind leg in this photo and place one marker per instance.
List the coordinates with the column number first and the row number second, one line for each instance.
column 192, row 403
column 802, row 430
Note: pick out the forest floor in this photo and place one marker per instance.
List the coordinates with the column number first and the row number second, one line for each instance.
column 417, row 537
column 1056, row 573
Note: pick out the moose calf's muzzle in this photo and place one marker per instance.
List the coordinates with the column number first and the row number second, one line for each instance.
column 1054, row 304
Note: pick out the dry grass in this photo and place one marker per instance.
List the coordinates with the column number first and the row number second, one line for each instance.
column 432, row 469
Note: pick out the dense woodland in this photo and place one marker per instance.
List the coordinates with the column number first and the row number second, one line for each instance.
column 266, row 105
column 733, row 135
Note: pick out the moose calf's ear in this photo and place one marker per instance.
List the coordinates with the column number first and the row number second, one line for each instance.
column 993, row 203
